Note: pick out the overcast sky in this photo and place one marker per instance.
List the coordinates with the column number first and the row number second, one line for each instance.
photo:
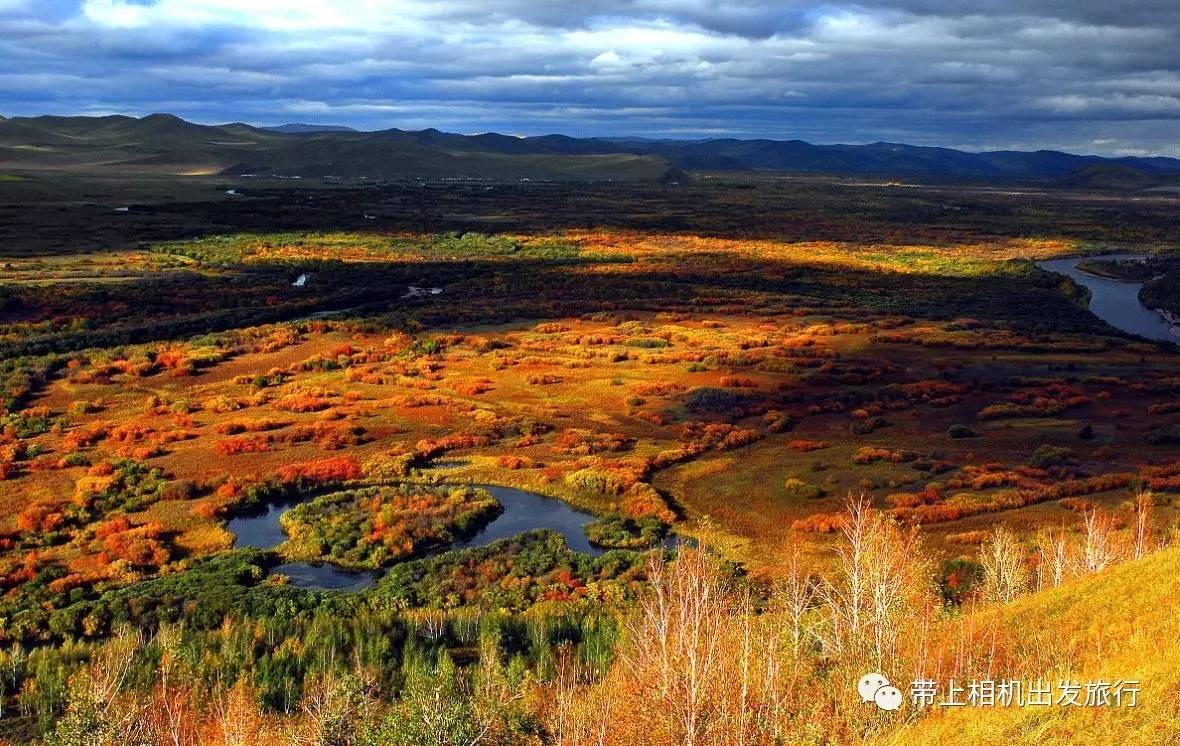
column 1098, row 76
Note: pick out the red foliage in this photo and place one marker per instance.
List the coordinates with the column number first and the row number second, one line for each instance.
column 516, row 462
column 585, row 442
column 642, row 501
column 321, row 471
column 720, row 435
column 84, row 437
column 302, row 403
column 869, row 454
column 823, row 523
column 666, row 388
column 250, row 444
column 41, row 517
column 475, row 388
column 139, row 546
column 804, row 445
column 738, row 382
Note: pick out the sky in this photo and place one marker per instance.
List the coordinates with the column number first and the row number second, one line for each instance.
column 1092, row 76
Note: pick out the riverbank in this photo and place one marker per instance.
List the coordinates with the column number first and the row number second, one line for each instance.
column 1117, row 301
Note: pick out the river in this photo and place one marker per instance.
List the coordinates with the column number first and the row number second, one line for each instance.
column 1114, row 301
column 523, row 511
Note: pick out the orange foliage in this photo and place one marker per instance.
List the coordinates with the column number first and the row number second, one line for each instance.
column 823, row 523
column 140, row 546
column 516, row 462
column 44, row 517
column 801, row 444
column 321, row 471
column 642, row 501
column 302, row 403
column 585, row 442
column 234, row 446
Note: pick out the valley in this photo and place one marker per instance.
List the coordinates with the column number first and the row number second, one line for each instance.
column 503, row 400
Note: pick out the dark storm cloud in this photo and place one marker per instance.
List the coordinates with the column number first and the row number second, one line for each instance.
column 1096, row 77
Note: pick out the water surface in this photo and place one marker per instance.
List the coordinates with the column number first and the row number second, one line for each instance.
column 1114, row 301
column 523, row 511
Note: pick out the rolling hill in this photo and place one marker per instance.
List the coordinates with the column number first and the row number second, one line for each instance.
column 296, row 128
column 1117, row 624
column 166, row 144
column 163, row 144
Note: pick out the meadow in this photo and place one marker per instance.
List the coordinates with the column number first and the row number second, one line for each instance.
column 730, row 388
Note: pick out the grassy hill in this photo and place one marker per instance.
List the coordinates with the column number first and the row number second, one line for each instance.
column 1119, row 624
column 162, row 144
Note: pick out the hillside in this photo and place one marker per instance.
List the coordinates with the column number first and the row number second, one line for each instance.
column 163, row 144
column 300, row 128
column 1110, row 176
column 1118, row 624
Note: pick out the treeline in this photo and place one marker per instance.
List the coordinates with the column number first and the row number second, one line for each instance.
column 283, row 662
column 534, row 569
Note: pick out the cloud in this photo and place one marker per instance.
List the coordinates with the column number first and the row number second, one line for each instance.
column 985, row 73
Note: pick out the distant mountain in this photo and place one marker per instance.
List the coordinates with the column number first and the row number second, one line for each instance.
column 1110, row 176
column 303, row 129
column 163, row 143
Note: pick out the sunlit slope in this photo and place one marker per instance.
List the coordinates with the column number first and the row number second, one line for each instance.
column 1123, row 623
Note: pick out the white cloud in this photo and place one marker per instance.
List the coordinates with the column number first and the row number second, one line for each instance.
column 896, row 69
column 609, row 58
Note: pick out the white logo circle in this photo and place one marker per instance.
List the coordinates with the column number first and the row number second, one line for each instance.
column 869, row 684
column 888, row 698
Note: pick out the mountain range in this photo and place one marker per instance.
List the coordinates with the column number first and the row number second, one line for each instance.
column 166, row 144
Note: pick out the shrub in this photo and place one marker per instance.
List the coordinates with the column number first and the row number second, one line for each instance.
column 620, row 532
column 869, row 454
column 302, row 404
column 642, row 501
column 716, row 400
column 1047, row 455
column 864, row 427
column 959, row 580
column 823, row 523
column 806, row 446
column 516, row 462
column 800, row 489
column 648, row 343
column 1164, row 435
column 584, row 442
column 738, row 382
column 961, row 431
column 321, row 471
column 389, row 466
column 234, row 446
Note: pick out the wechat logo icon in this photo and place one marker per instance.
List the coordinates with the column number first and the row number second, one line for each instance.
column 874, row 687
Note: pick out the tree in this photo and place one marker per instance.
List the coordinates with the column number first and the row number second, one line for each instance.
column 1005, row 574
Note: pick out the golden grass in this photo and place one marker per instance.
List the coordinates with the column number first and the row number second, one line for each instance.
column 1120, row 624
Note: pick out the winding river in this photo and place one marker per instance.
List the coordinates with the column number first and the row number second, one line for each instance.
column 523, row 511
column 1114, row 301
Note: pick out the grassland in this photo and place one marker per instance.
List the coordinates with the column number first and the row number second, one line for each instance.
column 681, row 377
